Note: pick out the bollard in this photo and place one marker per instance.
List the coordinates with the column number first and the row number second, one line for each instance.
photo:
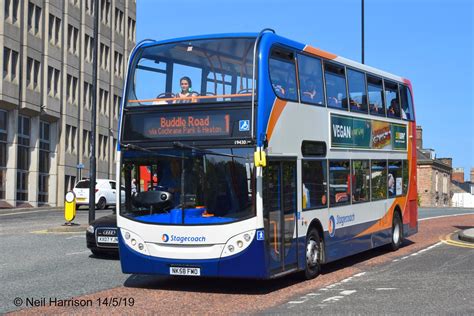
column 70, row 208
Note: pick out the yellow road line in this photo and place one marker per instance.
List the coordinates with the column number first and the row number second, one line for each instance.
column 449, row 241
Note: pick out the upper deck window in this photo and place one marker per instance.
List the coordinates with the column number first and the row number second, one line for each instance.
column 335, row 86
column 375, row 88
column 392, row 101
column 407, row 106
column 311, row 80
column 283, row 74
column 199, row 71
column 357, row 94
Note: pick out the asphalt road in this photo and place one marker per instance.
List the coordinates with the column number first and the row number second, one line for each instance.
column 39, row 264
column 439, row 280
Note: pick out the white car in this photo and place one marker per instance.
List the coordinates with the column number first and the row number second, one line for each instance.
column 105, row 193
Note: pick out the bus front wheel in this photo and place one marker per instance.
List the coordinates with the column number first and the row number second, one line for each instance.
column 313, row 254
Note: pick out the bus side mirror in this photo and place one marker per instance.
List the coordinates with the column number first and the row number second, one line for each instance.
column 260, row 158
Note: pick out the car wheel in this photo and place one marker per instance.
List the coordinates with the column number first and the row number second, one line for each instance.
column 313, row 254
column 101, row 204
column 397, row 232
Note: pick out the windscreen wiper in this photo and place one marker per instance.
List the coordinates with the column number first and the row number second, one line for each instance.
column 136, row 147
column 206, row 151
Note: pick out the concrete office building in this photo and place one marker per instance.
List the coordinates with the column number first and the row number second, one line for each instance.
column 46, row 53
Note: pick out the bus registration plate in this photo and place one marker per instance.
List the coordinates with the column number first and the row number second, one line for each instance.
column 185, row 271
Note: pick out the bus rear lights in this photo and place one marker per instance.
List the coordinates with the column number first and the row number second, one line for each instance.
column 247, row 237
column 231, row 248
column 240, row 243
column 133, row 242
column 141, row 246
column 127, row 235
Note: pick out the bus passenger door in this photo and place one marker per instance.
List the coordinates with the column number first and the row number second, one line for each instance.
column 279, row 209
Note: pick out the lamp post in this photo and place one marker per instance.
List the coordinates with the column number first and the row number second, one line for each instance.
column 94, row 115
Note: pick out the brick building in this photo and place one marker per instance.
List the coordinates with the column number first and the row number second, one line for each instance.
column 434, row 176
column 46, row 53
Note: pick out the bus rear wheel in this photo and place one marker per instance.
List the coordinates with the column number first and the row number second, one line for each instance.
column 313, row 254
column 397, row 232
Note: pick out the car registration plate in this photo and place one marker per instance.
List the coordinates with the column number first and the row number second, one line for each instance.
column 185, row 271
column 107, row 239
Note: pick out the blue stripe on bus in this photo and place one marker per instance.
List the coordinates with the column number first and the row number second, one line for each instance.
column 250, row 263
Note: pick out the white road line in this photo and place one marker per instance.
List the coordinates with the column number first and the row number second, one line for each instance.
column 296, row 302
column 386, row 288
column 360, row 274
column 27, row 212
column 78, row 236
column 441, row 216
column 313, row 294
column 333, row 298
column 418, row 252
column 77, row 253
column 348, row 292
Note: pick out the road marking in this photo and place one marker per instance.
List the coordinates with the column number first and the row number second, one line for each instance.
column 296, row 302
column 78, row 236
column 386, row 288
column 418, row 252
column 27, row 212
column 449, row 241
column 333, row 298
column 441, row 216
column 348, row 292
column 77, row 253
column 45, row 231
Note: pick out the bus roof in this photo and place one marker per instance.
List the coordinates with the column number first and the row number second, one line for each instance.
column 274, row 38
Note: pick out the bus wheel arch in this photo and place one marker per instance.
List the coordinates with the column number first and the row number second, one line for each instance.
column 396, row 238
column 314, row 250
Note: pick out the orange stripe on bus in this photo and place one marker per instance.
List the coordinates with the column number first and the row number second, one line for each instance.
column 278, row 107
column 316, row 51
column 193, row 98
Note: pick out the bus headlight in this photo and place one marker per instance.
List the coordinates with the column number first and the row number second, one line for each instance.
column 238, row 243
column 134, row 241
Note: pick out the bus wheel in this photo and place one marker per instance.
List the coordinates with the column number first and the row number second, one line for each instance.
column 313, row 254
column 397, row 232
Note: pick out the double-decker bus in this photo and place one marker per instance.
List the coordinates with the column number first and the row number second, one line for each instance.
column 280, row 157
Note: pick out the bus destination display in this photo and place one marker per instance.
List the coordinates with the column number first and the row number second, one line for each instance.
column 196, row 125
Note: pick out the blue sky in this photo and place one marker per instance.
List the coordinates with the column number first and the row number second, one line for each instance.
column 429, row 42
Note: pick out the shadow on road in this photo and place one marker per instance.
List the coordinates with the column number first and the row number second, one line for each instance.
column 243, row 286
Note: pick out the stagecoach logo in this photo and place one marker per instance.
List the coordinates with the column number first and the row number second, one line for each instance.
column 165, row 238
column 332, row 226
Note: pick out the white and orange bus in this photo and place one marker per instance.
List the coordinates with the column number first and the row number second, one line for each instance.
column 280, row 158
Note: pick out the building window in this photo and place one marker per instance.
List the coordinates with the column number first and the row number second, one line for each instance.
column 105, row 12
column 86, row 143
column 119, row 21
column 311, row 80
column 379, row 179
column 314, row 184
column 360, row 181
column 23, row 158
column 339, row 186
column 34, row 19
column 131, row 29
column 69, row 182
column 88, row 95
column 3, row 151
column 88, row 48
column 118, row 64
column 54, row 77
column 54, row 31
column 11, row 11
column 10, row 64
column 71, row 89
column 90, row 6
column 117, row 104
column 44, row 162
column 71, row 134
column 104, row 101
column 32, row 73
column 104, row 56
column 335, row 86
column 357, row 94
column 72, row 40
